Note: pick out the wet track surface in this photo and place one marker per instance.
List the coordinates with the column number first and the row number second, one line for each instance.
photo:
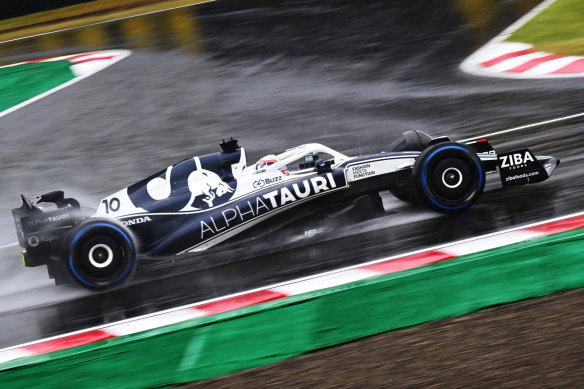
column 274, row 75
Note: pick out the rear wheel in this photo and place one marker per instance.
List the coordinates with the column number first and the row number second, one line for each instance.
column 100, row 254
column 448, row 177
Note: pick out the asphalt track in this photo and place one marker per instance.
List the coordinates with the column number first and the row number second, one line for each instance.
column 273, row 74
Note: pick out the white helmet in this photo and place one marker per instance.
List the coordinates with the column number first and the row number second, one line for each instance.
column 269, row 163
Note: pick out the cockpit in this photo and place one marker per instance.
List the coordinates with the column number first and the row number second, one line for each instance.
column 297, row 160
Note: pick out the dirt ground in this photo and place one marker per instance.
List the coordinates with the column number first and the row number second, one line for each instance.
column 534, row 343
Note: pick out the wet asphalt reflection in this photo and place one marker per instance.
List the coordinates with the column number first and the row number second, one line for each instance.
column 273, row 74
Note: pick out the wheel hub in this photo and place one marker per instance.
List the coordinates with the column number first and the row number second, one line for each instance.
column 101, row 256
column 452, row 178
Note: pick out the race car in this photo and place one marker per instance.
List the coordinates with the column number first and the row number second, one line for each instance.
column 203, row 201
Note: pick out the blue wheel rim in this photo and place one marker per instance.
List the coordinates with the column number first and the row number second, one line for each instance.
column 80, row 234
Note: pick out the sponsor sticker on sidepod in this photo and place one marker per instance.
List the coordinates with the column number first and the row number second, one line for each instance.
column 385, row 166
column 250, row 209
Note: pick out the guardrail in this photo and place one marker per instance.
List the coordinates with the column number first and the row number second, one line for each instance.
column 136, row 32
column 275, row 330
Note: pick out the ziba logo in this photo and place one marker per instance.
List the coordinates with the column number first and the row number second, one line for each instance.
column 516, row 160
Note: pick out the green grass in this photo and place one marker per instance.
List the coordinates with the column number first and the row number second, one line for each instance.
column 559, row 29
column 23, row 82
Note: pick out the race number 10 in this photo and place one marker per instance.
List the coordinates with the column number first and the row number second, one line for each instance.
column 112, row 205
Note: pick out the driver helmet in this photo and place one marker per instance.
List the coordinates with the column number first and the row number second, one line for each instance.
column 269, row 163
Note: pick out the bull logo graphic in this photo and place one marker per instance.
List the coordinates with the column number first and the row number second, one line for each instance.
column 207, row 186
column 186, row 186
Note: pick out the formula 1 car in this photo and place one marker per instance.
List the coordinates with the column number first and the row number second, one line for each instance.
column 202, row 201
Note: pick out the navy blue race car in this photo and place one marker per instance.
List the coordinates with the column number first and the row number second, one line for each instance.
column 202, row 201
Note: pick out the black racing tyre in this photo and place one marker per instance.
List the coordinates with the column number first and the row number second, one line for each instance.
column 100, row 254
column 448, row 177
column 366, row 207
column 405, row 194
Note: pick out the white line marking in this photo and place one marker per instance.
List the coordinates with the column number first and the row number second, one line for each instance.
column 9, row 245
column 479, row 245
column 107, row 21
column 336, row 279
column 527, row 126
column 282, row 284
column 522, row 21
column 10, row 355
column 155, row 322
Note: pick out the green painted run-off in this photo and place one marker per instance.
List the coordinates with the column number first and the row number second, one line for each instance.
column 273, row 331
column 20, row 83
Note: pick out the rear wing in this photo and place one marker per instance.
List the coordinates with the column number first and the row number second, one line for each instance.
column 41, row 222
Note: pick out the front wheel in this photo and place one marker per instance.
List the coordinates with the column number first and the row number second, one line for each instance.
column 100, row 254
column 448, row 177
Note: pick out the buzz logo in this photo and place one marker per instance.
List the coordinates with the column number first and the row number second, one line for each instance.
column 516, row 160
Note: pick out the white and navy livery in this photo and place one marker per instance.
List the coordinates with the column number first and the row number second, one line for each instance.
column 202, row 201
